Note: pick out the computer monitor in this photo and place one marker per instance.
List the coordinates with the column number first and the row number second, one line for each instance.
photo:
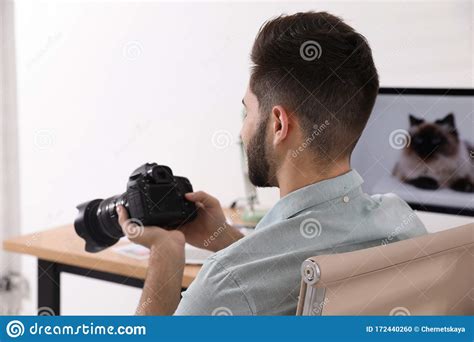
column 419, row 144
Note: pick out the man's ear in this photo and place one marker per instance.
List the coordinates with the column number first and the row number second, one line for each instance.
column 280, row 124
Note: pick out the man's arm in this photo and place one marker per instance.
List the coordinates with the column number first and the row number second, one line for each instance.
column 162, row 288
column 215, row 291
column 209, row 230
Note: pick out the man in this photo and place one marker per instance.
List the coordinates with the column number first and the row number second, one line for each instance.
column 311, row 91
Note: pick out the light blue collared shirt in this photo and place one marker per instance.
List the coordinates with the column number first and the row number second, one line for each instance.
column 260, row 274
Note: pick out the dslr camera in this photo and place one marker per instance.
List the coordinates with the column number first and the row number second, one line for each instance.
column 154, row 197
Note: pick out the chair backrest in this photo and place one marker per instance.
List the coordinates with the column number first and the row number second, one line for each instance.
column 431, row 274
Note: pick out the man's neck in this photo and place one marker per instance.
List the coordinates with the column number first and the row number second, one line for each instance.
column 292, row 177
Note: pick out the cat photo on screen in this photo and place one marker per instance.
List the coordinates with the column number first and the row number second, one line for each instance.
column 419, row 145
column 436, row 157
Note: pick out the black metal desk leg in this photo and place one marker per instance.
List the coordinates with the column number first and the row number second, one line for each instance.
column 48, row 288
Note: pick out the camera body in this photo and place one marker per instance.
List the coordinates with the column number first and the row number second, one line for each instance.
column 154, row 197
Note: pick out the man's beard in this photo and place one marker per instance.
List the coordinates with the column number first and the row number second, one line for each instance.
column 260, row 173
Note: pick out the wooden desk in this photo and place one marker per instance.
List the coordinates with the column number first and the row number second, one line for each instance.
column 61, row 250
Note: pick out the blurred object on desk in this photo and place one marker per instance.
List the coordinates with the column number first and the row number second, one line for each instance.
column 194, row 255
column 238, row 217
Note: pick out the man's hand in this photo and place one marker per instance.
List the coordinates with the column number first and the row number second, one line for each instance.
column 149, row 237
column 209, row 230
column 162, row 288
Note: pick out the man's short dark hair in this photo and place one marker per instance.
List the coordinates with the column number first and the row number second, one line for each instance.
column 318, row 68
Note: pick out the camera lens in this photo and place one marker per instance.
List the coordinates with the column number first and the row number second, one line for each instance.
column 97, row 223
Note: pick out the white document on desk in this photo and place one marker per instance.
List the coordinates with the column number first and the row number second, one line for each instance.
column 194, row 256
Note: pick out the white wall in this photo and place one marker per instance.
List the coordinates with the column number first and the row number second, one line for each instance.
column 106, row 86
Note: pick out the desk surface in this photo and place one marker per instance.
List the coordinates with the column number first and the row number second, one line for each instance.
column 62, row 245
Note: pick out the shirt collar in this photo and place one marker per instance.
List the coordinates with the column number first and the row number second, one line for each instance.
column 312, row 195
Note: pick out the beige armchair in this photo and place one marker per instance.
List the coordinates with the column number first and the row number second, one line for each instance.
column 428, row 275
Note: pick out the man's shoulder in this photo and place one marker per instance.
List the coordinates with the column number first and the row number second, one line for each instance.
column 263, row 249
column 390, row 198
column 232, row 256
column 399, row 213
column 392, row 203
